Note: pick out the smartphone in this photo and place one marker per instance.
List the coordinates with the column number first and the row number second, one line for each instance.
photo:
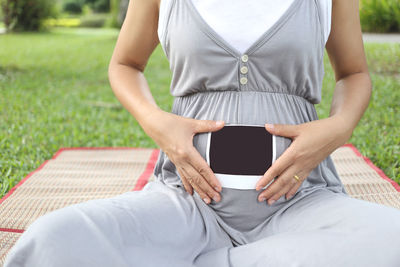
column 240, row 154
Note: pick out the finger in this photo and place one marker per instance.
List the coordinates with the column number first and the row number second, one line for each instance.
column 193, row 176
column 187, row 185
column 287, row 175
column 196, row 179
column 201, row 193
column 297, row 185
column 199, row 164
column 184, row 179
column 287, row 130
column 285, row 179
column 293, row 190
column 279, row 165
column 274, row 188
column 201, row 126
column 199, row 180
column 284, row 190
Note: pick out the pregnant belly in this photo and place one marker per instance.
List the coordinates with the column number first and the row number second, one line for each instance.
column 250, row 107
column 246, row 108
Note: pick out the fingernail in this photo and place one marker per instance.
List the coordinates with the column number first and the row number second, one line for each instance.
column 217, row 188
column 269, row 126
column 219, row 123
column 206, row 200
column 289, row 197
column 271, row 202
column 216, row 198
column 261, row 199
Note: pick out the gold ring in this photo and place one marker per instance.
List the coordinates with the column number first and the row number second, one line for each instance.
column 296, row 177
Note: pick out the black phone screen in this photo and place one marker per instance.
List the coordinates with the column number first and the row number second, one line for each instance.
column 240, row 150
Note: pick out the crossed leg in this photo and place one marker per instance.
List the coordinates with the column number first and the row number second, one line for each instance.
column 157, row 226
column 323, row 229
column 162, row 226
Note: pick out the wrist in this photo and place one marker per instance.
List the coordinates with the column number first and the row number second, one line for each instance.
column 343, row 126
column 148, row 113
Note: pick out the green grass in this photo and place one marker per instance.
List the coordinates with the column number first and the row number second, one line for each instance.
column 380, row 15
column 55, row 93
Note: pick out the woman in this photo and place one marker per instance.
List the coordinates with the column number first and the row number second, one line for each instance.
column 185, row 217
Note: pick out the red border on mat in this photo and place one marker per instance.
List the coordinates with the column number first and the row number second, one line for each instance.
column 369, row 162
column 94, row 148
column 143, row 179
column 11, row 230
column 22, row 181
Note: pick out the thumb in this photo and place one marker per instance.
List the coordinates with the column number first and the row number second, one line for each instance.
column 287, row 130
column 202, row 126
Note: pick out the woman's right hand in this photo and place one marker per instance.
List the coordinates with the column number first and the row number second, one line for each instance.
column 174, row 135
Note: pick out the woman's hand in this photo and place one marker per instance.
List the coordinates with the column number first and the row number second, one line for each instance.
column 311, row 143
column 174, row 135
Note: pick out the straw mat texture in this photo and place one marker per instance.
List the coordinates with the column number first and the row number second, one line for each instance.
column 75, row 175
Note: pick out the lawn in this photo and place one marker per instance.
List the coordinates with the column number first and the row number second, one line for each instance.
column 55, row 93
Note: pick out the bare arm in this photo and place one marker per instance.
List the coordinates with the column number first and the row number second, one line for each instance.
column 174, row 134
column 346, row 53
column 314, row 141
column 136, row 42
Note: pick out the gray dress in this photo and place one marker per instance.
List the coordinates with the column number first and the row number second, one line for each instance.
column 163, row 225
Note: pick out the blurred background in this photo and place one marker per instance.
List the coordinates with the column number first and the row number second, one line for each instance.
column 54, row 88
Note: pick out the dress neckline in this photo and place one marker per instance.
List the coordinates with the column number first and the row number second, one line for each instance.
column 255, row 45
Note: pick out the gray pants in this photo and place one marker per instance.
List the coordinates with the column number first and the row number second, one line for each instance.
column 162, row 225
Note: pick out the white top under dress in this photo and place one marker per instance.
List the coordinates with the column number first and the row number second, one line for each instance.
column 240, row 23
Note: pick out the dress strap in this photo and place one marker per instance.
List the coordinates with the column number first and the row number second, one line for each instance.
column 165, row 12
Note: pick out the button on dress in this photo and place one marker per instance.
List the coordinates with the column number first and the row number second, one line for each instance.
column 277, row 79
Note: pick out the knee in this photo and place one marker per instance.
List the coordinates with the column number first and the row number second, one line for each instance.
column 381, row 228
column 54, row 225
column 389, row 224
column 44, row 241
column 384, row 239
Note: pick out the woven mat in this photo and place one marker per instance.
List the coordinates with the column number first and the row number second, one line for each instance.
column 75, row 175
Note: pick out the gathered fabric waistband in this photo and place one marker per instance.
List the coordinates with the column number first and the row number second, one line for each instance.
column 251, row 107
column 211, row 92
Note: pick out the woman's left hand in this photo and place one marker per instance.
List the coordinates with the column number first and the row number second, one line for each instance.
column 311, row 143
